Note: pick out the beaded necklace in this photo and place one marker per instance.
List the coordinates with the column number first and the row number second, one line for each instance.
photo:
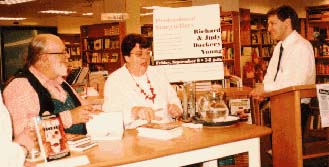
column 148, row 97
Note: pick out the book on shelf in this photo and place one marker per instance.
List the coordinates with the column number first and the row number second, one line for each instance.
column 246, row 51
column 98, row 44
column 82, row 76
column 162, row 131
column 77, row 75
column 107, row 43
column 105, row 57
column 73, row 76
column 51, row 137
column 78, row 50
column 73, row 51
column 115, row 57
column 228, row 53
column 254, row 39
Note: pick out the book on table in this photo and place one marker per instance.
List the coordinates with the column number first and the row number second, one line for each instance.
column 51, row 137
column 163, row 131
column 80, row 143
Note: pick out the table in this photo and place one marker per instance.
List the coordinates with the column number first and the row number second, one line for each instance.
column 195, row 145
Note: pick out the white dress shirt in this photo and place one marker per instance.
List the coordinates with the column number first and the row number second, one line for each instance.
column 11, row 154
column 121, row 94
column 297, row 65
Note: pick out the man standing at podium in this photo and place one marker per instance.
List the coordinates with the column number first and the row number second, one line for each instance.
column 292, row 62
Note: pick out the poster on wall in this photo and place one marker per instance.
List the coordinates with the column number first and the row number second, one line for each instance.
column 187, row 43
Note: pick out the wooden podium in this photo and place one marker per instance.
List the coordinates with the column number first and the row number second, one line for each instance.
column 287, row 143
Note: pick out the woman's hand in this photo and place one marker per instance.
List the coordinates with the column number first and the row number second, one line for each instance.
column 146, row 113
column 174, row 110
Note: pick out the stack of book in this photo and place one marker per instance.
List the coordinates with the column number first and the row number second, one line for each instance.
column 160, row 131
column 80, row 143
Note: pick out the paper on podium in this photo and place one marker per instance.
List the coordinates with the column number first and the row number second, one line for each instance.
column 106, row 126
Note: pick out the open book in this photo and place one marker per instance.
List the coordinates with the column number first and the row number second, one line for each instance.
column 164, row 131
column 106, row 126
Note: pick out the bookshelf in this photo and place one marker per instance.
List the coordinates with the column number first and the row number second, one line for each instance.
column 72, row 44
column 256, row 49
column 230, row 25
column 101, row 46
column 262, row 44
column 317, row 30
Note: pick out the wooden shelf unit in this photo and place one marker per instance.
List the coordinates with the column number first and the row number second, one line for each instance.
column 317, row 30
column 101, row 46
column 258, row 51
column 72, row 44
column 230, row 26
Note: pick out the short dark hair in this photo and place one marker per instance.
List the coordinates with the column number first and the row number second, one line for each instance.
column 130, row 41
column 284, row 12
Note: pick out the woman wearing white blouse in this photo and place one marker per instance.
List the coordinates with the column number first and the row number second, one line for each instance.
column 138, row 90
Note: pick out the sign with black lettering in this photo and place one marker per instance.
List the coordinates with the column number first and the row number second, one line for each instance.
column 188, row 43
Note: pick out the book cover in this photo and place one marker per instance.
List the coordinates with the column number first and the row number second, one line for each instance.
column 51, row 138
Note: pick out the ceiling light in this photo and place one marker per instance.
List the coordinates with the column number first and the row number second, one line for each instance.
column 57, row 12
column 114, row 16
column 151, row 7
column 12, row 18
column 11, row 2
column 146, row 14
column 87, row 14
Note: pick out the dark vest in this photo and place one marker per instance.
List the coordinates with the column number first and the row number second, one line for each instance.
column 47, row 103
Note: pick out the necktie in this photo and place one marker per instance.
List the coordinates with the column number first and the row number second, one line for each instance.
column 278, row 67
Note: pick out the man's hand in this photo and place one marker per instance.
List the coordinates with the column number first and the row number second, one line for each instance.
column 83, row 114
column 258, row 93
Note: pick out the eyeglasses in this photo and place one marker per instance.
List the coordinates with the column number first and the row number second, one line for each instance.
column 142, row 52
column 57, row 53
